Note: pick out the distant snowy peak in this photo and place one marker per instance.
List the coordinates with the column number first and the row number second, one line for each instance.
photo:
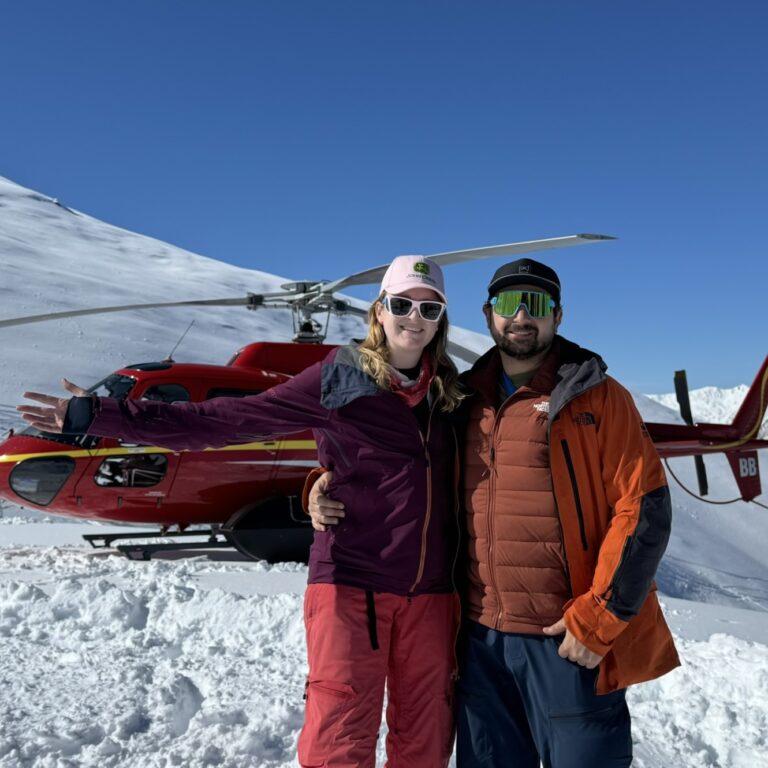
column 711, row 405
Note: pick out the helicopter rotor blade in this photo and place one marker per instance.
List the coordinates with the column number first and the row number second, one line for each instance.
column 466, row 354
column 470, row 254
column 515, row 249
column 252, row 300
column 309, row 294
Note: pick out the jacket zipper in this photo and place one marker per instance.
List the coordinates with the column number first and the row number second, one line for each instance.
column 457, row 512
column 557, row 509
column 575, row 487
column 552, row 416
column 490, row 515
column 423, row 553
column 490, row 518
column 456, row 506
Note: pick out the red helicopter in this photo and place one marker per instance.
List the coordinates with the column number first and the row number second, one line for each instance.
column 247, row 495
column 738, row 440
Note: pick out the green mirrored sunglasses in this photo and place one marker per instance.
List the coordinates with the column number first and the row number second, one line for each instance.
column 537, row 304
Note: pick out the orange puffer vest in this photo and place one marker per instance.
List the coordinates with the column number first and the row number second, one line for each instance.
column 517, row 573
column 613, row 505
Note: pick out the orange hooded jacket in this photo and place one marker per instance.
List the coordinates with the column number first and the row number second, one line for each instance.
column 615, row 510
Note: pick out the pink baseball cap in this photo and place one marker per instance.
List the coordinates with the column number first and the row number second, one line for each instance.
column 407, row 272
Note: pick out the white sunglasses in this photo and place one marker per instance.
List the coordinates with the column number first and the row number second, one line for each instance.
column 400, row 306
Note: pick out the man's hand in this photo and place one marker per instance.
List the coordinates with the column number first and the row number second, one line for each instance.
column 323, row 510
column 50, row 419
column 571, row 648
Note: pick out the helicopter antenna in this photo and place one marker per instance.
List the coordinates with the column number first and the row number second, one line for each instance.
column 169, row 359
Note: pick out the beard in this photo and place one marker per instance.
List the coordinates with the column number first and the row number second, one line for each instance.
column 523, row 349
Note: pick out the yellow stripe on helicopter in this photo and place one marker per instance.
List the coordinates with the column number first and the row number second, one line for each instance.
column 277, row 445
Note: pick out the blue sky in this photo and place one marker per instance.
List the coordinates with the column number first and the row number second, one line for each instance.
column 315, row 139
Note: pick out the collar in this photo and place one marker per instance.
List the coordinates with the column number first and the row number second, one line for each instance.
column 566, row 371
column 412, row 392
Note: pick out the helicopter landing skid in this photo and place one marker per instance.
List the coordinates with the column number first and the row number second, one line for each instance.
column 217, row 539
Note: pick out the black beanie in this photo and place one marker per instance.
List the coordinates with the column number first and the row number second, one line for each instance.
column 525, row 272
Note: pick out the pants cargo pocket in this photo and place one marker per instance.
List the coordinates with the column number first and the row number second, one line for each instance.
column 598, row 737
column 327, row 702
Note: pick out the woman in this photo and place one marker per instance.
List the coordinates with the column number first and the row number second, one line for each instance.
column 380, row 606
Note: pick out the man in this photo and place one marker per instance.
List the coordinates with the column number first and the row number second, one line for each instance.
column 567, row 517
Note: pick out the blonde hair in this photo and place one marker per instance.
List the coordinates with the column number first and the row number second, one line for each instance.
column 375, row 360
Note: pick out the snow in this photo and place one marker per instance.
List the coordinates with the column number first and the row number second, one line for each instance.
column 711, row 405
column 199, row 661
column 115, row 663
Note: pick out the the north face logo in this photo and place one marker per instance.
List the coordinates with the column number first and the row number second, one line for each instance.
column 585, row 418
column 421, row 267
column 542, row 407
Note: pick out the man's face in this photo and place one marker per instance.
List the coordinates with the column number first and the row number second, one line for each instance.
column 522, row 336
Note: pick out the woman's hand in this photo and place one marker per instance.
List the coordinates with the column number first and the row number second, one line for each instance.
column 51, row 418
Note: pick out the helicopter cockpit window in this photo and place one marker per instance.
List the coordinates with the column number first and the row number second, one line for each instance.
column 135, row 471
column 115, row 385
column 223, row 392
column 166, row 393
column 39, row 479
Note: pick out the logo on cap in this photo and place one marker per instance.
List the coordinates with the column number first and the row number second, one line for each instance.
column 422, row 267
column 524, row 268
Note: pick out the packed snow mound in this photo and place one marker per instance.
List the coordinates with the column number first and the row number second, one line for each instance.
column 109, row 665
column 113, row 663
column 709, row 712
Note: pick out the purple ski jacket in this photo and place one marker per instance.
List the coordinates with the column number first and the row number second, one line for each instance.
column 399, row 487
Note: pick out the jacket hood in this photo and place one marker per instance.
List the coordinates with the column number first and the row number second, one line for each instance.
column 342, row 378
column 580, row 369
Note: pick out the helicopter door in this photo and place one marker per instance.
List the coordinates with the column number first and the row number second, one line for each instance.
column 130, row 480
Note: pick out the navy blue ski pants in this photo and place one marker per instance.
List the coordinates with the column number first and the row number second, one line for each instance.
column 520, row 703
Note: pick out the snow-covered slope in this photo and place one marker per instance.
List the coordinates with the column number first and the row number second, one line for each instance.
column 200, row 662
column 53, row 259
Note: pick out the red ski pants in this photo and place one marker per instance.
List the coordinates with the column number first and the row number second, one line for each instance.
column 356, row 642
